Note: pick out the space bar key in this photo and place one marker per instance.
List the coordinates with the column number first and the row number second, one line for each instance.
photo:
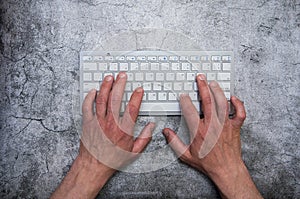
column 160, row 107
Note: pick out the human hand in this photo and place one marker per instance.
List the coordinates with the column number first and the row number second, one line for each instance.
column 215, row 146
column 107, row 141
column 106, row 135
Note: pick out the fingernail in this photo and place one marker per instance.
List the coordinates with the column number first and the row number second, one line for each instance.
column 108, row 78
column 213, row 84
column 122, row 75
column 166, row 132
column 139, row 90
column 201, row 77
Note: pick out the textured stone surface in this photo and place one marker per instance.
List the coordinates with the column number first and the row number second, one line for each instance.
column 40, row 45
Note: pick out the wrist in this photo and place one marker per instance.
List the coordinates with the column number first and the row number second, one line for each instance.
column 92, row 175
column 84, row 180
column 235, row 183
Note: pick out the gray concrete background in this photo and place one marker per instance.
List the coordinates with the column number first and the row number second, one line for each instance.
column 40, row 45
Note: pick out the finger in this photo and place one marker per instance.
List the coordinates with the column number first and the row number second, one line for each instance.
column 115, row 98
column 220, row 100
column 143, row 139
column 102, row 97
column 132, row 111
column 190, row 114
column 240, row 112
column 175, row 143
column 87, row 105
column 206, row 97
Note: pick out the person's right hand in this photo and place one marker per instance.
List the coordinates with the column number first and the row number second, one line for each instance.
column 215, row 146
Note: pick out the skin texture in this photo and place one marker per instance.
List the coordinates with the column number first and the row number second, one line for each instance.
column 107, row 141
column 223, row 164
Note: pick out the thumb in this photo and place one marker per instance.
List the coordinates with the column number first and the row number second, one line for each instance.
column 175, row 142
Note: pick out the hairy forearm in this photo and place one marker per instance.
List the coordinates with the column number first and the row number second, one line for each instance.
column 237, row 184
column 83, row 181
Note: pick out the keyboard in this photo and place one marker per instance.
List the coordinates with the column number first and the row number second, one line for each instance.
column 164, row 75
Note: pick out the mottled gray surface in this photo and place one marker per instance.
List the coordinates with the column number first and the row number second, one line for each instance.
column 40, row 45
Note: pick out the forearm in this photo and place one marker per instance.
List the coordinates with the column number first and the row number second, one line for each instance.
column 237, row 184
column 83, row 181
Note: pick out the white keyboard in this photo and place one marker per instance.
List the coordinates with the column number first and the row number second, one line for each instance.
column 164, row 75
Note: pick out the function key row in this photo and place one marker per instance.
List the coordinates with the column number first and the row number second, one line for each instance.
column 216, row 58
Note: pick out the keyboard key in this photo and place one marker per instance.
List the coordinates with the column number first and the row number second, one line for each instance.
column 144, row 97
column 129, row 95
column 113, row 66
column 134, row 66
column 211, row 76
column 190, row 76
column 173, row 58
column 151, row 96
column 102, row 66
column 160, row 108
column 226, row 58
column 128, row 86
column 144, row 66
column 139, row 76
column 141, row 58
column 177, row 86
column 204, row 58
column 195, row 58
column 87, row 58
column 195, row 86
column 223, row 76
column 123, row 66
column 206, row 66
column 170, row 76
column 172, row 96
column 183, row 58
column 152, row 58
column 89, row 66
column 216, row 58
column 167, row 86
column 188, row 86
column 186, row 66
column 129, row 76
column 147, row 86
column 162, row 96
column 225, row 86
column 157, row 86
column 196, row 66
column 180, row 76
column 216, row 66
column 131, row 58
column 136, row 85
column 109, row 58
column 160, row 77
column 120, row 58
column 165, row 66
column 193, row 96
column 89, row 86
column 149, row 77
column 227, row 95
column 154, row 66
column 163, row 58
column 98, row 58
column 98, row 77
column 175, row 66
column 87, row 76
column 226, row 66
